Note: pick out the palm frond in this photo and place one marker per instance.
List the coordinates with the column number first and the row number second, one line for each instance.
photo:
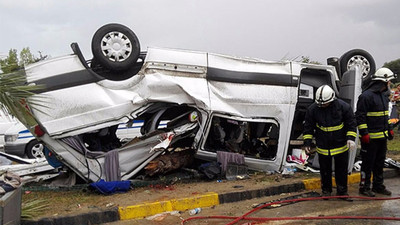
column 33, row 208
column 14, row 92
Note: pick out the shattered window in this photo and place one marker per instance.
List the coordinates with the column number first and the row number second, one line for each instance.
column 253, row 139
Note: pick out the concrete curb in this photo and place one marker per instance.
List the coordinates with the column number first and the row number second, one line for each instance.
column 205, row 200
column 99, row 217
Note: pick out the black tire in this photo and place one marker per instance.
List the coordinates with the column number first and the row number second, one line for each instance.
column 153, row 122
column 115, row 47
column 358, row 57
column 34, row 149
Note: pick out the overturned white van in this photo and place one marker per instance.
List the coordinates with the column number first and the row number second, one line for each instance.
column 214, row 103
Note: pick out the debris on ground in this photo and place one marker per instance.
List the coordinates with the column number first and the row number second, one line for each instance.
column 169, row 162
column 29, row 170
column 304, row 195
column 390, row 163
column 162, row 216
column 194, row 211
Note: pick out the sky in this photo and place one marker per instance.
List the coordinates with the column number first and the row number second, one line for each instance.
column 265, row 29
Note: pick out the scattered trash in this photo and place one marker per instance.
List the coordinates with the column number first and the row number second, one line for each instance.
column 79, row 205
column 306, row 168
column 288, row 171
column 157, row 217
column 174, row 213
column 299, row 160
column 298, row 156
column 238, row 186
column 193, row 171
column 162, row 187
column 241, row 177
column 236, row 171
column 228, row 159
column 170, row 161
column 109, row 204
column 29, row 170
column 9, row 181
column 304, row 195
column 211, row 170
column 162, row 216
column 390, row 163
column 194, row 211
column 219, row 181
column 357, row 166
column 110, row 187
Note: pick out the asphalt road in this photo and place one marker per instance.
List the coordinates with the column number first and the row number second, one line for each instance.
column 320, row 208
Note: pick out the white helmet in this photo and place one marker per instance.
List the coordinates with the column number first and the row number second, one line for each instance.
column 383, row 74
column 324, row 94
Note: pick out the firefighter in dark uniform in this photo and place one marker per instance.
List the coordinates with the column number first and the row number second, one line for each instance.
column 372, row 117
column 333, row 124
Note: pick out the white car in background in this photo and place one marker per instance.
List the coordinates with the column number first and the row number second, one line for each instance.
column 19, row 141
column 6, row 121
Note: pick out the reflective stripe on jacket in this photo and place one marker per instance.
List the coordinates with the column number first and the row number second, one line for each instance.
column 372, row 114
column 332, row 127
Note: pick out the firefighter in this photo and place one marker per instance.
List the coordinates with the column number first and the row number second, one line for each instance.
column 374, row 128
column 333, row 124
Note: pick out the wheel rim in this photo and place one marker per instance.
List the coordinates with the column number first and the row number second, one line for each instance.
column 116, row 46
column 37, row 151
column 362, row 62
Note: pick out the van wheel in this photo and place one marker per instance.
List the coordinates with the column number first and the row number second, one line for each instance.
column 116, row 47
column 153, row 122
column 358, row 57
column 34, row 149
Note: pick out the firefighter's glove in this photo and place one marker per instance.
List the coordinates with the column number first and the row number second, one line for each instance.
column 365, row 139
column 351, row 145
column 391, row 135
column 307, row 149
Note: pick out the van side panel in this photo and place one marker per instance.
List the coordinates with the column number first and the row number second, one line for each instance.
column 251, row 88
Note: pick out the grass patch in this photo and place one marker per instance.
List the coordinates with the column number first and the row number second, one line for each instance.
column 394, row 145
column 55, row 203
column 32, row 208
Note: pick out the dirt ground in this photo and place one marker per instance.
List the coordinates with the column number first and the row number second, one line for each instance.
column 77, row 201
column 63, row 203
column 226, row 213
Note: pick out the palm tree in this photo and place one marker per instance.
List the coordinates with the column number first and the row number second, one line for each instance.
column 15, row 94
